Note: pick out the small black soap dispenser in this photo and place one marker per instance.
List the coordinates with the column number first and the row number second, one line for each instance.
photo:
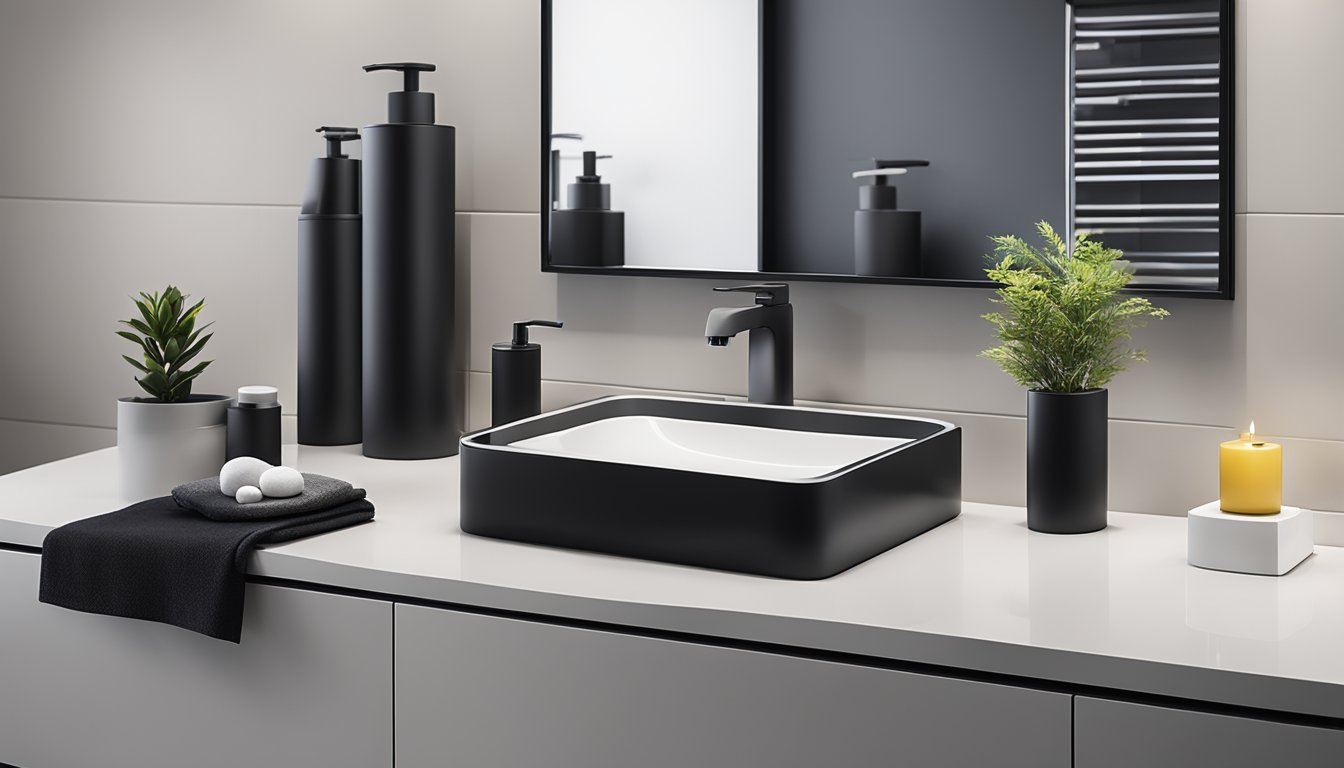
column 588, row 233
column 515, row 378
column 329, row 297
column 886, row 239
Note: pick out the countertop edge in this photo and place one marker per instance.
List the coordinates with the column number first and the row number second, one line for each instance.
column 1097, row 674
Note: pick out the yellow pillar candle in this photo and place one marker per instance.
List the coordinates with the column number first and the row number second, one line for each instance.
column 1250, row 475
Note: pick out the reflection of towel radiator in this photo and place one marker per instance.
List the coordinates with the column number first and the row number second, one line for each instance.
column 1149, row 137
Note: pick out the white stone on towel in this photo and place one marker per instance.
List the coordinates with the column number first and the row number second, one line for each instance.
column 281, row 482
column 248, row 494
column 236, row 473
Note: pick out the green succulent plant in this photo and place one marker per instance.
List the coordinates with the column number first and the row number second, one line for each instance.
column 1064, row 325
column 168, row 339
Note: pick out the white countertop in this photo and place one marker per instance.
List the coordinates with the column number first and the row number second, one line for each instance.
column 1119, row 609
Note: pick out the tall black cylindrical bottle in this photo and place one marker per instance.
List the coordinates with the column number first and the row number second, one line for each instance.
column 411, row 403
column 329, row 297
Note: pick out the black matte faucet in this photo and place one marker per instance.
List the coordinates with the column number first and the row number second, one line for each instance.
column 770, row 321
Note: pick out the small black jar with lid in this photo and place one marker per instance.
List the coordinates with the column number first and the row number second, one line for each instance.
column 253, row 425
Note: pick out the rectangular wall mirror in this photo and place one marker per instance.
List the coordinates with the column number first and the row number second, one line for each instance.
column 884, row 142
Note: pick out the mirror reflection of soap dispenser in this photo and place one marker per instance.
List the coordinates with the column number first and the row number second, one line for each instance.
column 515, row 375
column 886, row 238
column 587, row 233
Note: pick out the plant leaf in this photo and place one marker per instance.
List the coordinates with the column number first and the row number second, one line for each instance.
column 1064, row 326
column 146, row 387
column 138, row 365
column 195, row 350
column 139, row 326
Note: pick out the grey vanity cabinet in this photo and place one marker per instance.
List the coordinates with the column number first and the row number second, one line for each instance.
column 486, row 692
column 1118, row 734
column 310, row 685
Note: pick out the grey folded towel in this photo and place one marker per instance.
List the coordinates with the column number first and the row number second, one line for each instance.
column 319, row 493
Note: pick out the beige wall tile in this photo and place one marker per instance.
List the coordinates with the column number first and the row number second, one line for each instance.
column 1295, row 325
column 1293, row 70
column 165, row 101
column 69, row 268
column 1240, row 108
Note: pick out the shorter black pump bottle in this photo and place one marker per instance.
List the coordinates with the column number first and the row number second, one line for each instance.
column 588, row 233
column 330, row 324
column 886, row 239
column 515, row 379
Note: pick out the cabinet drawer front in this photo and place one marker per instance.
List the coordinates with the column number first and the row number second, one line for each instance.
column 310, row 684
column 1116, row 734
column 489, row 692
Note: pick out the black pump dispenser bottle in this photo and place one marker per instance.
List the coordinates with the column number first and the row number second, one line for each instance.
column 412, row 408
column 515, row 375
column 329, row 297
column 588, row 233
column 886, row 239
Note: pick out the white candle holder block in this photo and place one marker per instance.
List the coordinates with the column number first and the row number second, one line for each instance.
column 1267, row 545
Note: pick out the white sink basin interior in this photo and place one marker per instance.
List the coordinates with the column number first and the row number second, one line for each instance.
column 709, row 447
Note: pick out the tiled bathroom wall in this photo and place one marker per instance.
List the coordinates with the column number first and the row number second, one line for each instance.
column 168, row 142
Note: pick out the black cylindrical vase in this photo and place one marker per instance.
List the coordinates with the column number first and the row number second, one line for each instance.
column 1066, row 461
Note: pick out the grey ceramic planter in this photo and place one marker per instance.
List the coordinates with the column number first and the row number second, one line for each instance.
column 160, row 445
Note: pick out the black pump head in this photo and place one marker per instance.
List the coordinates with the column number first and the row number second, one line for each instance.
column 590, row 168
column 410, row 69
column 879, row 165
column 335, row 135
column 410, row 104
column 880, row 195
column 520, row 329
column 588, row 193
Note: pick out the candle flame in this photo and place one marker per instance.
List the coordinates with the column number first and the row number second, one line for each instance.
column 1252, row 429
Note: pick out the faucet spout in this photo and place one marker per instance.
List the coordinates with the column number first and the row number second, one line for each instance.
column 770, row 353
column 726, row 322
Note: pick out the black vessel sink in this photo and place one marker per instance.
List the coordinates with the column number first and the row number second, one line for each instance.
column 798, row 493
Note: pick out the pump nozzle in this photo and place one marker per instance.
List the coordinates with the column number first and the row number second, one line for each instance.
column 588, row 192
column 590, row 167
column 883, row 168
column 410, row 104
column 409, row 69
column 520, row 329
column 335, row 135
column 879, row 195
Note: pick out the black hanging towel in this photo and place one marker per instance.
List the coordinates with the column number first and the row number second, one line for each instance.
column 156, row 561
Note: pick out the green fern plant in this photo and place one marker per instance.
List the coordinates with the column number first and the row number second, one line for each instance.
column 1064, row 326
column 168, row 340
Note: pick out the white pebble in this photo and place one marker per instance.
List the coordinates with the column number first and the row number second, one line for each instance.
column 281, row 482
column 244, row 470
column 248, row 494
